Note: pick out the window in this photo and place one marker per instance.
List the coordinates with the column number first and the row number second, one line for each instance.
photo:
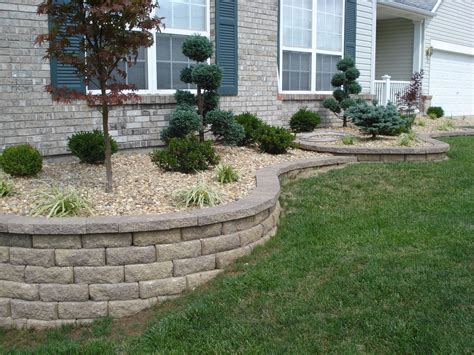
column 311, row 43
column 158, row 68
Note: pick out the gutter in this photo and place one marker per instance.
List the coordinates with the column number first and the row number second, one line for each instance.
column 406, row 8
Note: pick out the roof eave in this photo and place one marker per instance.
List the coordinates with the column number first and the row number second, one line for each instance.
column 425, row 14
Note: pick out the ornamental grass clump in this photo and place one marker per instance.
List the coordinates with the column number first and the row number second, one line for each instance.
column 6, row 187
column 226, row 174
column 348, row 140
column 446, row 126
column 407, row 139
column 21, row 160
column 60, row 202
column 200, row 195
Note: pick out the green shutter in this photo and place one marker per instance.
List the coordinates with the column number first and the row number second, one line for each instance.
column 226, row 45
column 65, row 75
column 350, row 27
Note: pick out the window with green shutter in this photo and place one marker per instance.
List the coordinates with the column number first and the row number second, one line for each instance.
column 226, row 45
column 350, row 27
column 65, row 75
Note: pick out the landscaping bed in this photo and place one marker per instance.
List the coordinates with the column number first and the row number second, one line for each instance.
column 140, row 186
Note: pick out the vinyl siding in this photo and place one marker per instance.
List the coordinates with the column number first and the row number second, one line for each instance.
column 364, row 43
column 453, row 23
column 394, row 49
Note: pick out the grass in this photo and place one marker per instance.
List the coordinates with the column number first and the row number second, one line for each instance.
column 373, row 258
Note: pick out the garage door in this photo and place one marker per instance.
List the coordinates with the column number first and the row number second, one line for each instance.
column 452, row 83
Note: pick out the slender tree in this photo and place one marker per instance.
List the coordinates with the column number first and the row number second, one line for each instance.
column 345, row 82
column 96, row 38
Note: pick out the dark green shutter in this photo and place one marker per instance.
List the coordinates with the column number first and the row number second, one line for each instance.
column 350, row 27
column 64, row 75
column 226, row 45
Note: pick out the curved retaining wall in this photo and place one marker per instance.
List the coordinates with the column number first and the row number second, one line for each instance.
column 74, row 270
column 436, row 151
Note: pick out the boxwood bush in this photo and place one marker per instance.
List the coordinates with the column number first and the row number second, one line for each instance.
column 89, row 147
column 304, row 120
column 435, row 111
column 252, row 127
column 21, row 160
column 275, row 140
column 185, row 155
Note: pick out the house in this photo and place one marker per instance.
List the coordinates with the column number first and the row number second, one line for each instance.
column 277, row 56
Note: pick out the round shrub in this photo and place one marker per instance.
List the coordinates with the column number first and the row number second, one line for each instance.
column 275, row 140
column 186, row 155
column 345, row 64
column 184, row 121
column 21, row 160
column 198, row 48
column 186, row 75
column 435, row 111
column 338, row 79
column 207, row 76
column 304, row 120
column 252, row 127
column 224, row 127
column 89, row 146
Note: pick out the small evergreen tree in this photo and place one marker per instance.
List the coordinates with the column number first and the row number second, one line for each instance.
column 207, row 78
column 375, row 120
column 346, row 84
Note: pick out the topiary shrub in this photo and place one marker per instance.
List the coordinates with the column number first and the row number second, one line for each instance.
column 304, row 120
column 184, row 121
column 435, row 111
column 375, row 120
column 184, row 98
column 21, row 160
column 185, row 155
column 275, row 140
column 252, row 126
column 88, row 146
column 224, row 127
column 346, row 84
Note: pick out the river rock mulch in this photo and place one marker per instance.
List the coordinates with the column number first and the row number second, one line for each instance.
column 140, row 187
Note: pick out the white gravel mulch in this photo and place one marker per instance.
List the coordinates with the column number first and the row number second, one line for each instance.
column 140, row 186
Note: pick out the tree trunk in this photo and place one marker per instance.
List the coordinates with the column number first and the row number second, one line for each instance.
column 201, row 113
column 108, row 149
column 344, row 121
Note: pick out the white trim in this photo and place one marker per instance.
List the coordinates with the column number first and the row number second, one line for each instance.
column 449, row 47
column 374, row 46
column 151, row 57
column 417, row 46
column 435, row 8
column 314, row 51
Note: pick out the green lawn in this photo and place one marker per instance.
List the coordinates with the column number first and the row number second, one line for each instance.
column 374, row 258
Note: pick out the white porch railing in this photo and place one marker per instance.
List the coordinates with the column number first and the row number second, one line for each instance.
column 387, row 90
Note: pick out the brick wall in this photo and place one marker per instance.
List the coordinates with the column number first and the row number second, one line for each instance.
column 28, row 115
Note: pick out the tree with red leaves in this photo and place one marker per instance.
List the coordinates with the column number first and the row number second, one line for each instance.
column 109, row 33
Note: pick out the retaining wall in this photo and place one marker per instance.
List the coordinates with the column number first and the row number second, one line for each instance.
column 436, row 151
column 74, row 270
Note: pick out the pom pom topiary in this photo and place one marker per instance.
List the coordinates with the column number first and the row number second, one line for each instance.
column 207, row 76
column 184, row 121
column 197, row 48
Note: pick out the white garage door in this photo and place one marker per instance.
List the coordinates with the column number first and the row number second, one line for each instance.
column 452, row 83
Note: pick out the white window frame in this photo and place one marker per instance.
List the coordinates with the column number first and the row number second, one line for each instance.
column 313, row 50
column 151, row 55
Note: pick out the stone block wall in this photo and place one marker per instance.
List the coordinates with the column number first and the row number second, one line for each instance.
column 74, row 270
column 28, row 115
column 51, row 280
